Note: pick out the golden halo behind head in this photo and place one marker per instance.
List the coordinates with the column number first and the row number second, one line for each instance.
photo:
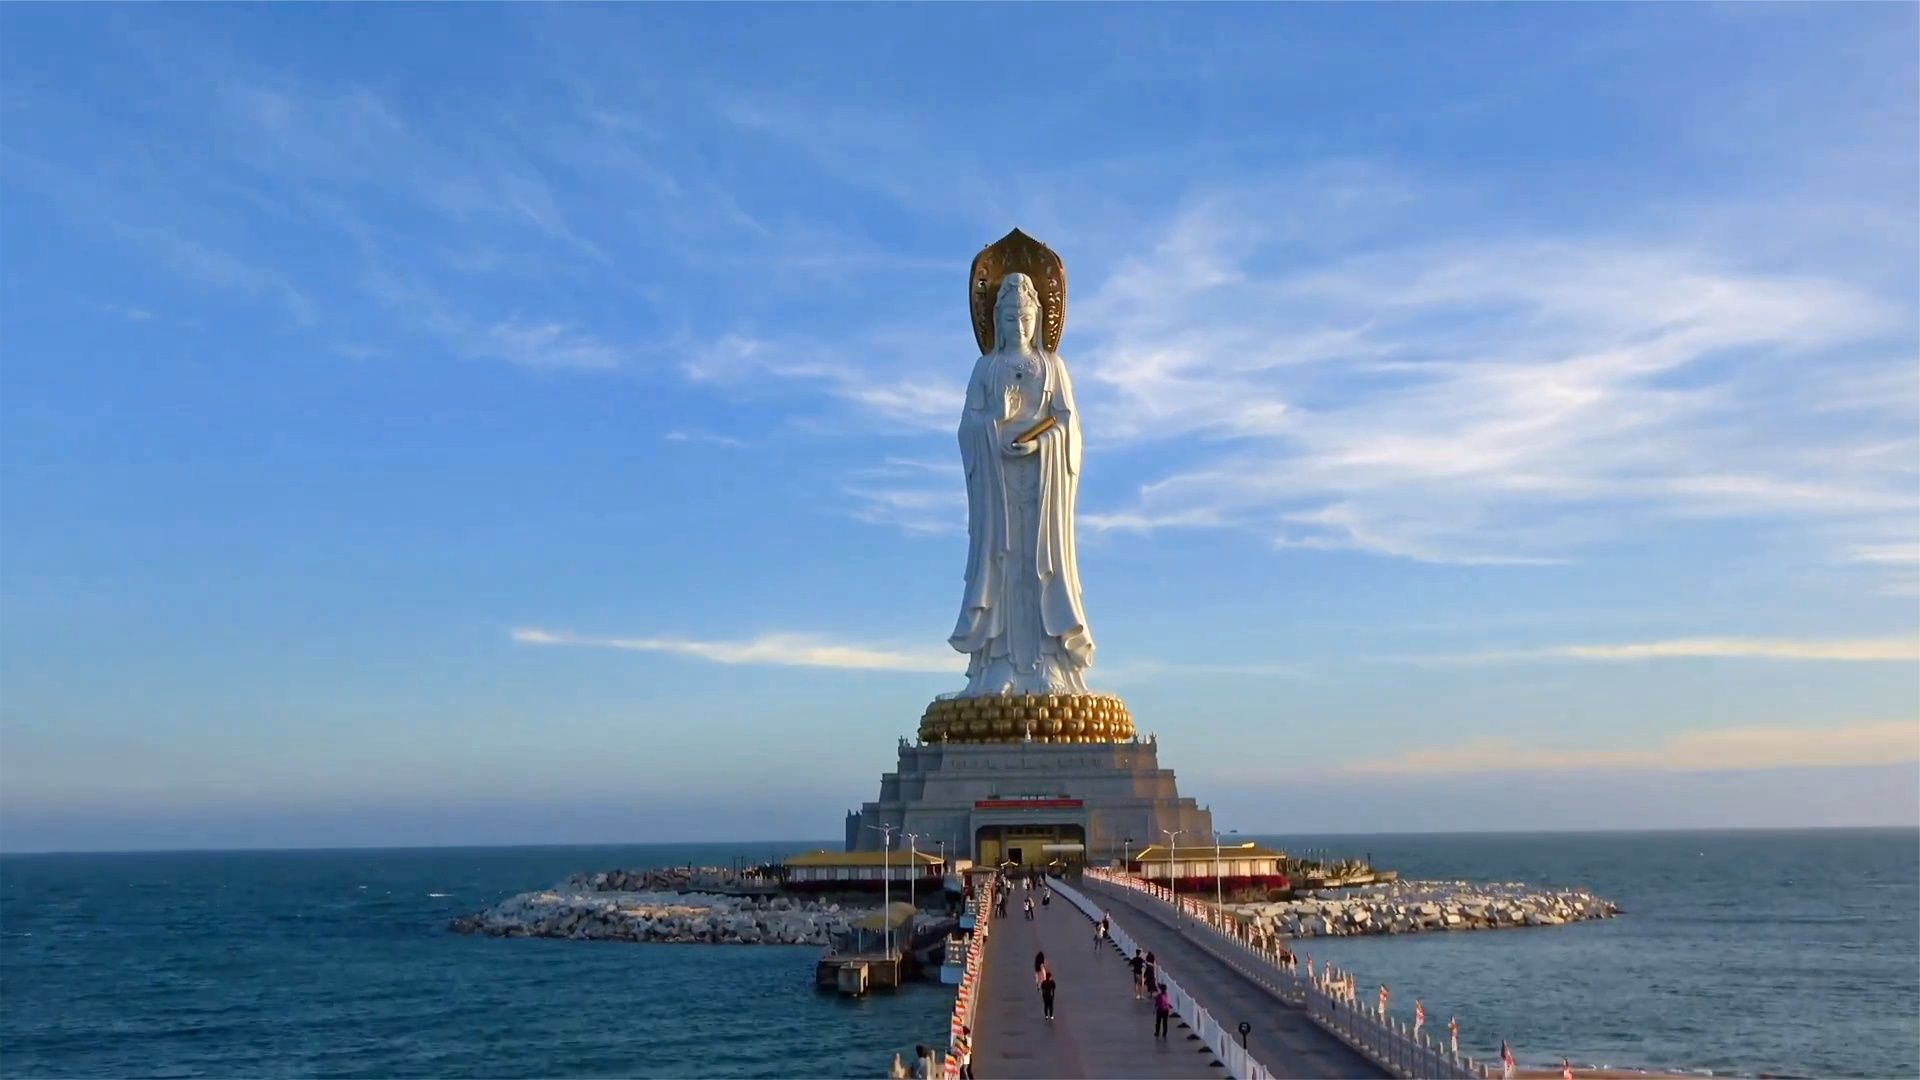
column 1018, row 253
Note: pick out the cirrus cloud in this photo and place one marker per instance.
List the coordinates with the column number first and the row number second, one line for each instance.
column 782, row 650
column 1893, row 647
column 1870, row 743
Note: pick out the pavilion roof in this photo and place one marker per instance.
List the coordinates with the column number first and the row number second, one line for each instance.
column 1204, row 852
column 863, row 858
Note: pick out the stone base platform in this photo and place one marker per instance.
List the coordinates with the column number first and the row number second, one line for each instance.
column 1011, row 801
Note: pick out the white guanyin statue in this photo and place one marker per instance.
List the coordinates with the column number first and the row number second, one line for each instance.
column 1021, row 621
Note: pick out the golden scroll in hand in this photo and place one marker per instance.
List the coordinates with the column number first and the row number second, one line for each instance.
column 1033, row 432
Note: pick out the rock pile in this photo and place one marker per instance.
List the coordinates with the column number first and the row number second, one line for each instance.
column 659, row 916
column 667, row 879
column 1410, row 907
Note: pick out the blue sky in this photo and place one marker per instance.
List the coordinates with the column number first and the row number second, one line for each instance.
column 503, row 424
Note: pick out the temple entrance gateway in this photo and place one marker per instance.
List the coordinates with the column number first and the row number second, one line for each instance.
column 1026, row 844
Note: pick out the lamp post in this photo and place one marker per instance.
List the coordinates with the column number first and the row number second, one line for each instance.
column 913, row 871
column 886, row 883
column 1219, row 897
column 1173, row 883
column 1126, row 856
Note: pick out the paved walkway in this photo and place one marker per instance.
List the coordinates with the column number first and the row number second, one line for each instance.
column 1283, row 1038
column 1098, row 1029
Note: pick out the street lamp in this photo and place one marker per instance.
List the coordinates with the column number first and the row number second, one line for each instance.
column 1126, row 856
column 886, row 883
column 1173, row 883
column 913, row 871
column 1219, row 901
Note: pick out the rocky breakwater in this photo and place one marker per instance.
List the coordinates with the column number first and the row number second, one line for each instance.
column 568, row 911
column 718, row 879
column 1411, row 907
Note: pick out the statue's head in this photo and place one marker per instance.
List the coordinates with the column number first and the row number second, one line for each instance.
column 1016, row 312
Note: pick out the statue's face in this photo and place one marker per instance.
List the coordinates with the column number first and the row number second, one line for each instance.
column 1018, row 320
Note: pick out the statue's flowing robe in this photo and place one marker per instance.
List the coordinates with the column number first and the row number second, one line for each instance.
column 1010, row 515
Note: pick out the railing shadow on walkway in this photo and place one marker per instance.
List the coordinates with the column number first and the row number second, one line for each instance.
column 1235, row 1059
column 1328, row 997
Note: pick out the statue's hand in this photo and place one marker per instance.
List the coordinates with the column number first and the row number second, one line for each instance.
column 1021, row 449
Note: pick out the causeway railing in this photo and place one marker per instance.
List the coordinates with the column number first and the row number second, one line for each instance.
column 1329, row 996
column 966, row 997
column 1239, row 1064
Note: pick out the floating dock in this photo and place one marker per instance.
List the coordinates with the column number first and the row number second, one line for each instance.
column 877, row 971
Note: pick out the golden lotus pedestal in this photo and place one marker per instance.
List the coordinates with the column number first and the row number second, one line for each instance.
column 1015, row 718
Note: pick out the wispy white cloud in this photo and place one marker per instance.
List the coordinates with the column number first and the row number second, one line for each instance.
column 1199, row 517
column 547, row 345
column 922, row 497
column 1492, row 399
column 1899, row 554
column 781, row 650
column 348, row 138
column 534, row 344
column 1342, row 526
column 1147, row 670
column 1719, row 750
column 1895, row 648
column 842, row 139
column 217, row 268
column 1503, row 400
column 812, row 650
column 864, row 374
column 687, row 435
column 1895, row 564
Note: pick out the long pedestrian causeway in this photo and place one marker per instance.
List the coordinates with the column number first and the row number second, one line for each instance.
column 1283, row 1038
column 1098, row 1029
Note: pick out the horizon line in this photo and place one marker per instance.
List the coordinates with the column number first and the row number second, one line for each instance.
column 1249, row 833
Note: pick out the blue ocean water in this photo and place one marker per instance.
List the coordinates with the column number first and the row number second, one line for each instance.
column 339, row 964
column 1754, row 952
column 1793, row 953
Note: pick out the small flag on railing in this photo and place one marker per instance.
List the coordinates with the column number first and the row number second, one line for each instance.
column 1383, row 999
column 1419, row 1017
column 1453, row 1035
column 1506, row 1061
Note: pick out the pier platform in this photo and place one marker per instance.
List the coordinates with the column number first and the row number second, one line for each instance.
column 1098, row 1029
column 884, row 972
